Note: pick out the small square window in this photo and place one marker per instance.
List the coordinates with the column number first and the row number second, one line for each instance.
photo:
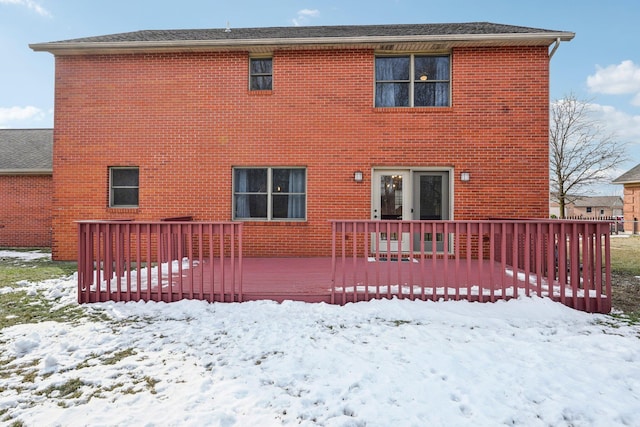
column 260, row 73
column 123, row 187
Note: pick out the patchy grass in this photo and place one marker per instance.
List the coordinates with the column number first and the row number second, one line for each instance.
column 118, row 356
column 13, row 304
column 625, row 255
column 70, row 389
column 13, row 270
column 13, row 312
column 625, row 266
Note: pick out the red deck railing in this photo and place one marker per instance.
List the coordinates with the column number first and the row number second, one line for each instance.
column 150, row 261
column 567, row 261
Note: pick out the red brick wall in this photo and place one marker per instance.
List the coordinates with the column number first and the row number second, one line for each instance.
column 631, row 207
column 25, row 210
column 187, row 119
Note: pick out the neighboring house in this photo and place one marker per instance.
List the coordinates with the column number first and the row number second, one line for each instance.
column 554, row 209
column 631, row 182
column 287, row 128
column 595, row 207
column 26, row 187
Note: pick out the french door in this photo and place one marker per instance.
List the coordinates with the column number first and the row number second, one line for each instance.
column 404, row 194
column 391, row 201
column 431, row 196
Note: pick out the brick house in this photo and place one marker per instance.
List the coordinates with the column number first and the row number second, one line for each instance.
column 631, row 182
column 26, row 187
column 595, row 207
column 287, row 128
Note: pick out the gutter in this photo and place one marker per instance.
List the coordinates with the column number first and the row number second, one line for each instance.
column 556, row 45
column 8, row 172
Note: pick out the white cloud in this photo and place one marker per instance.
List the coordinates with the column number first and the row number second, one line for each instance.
column 303, row 16
column 620, row 79
column 626, row 128
column 624, row 125
column 29, row 4
column 20, row 113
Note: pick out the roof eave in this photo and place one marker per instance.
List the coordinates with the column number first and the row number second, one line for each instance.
column 71, row 48
column 626, row 181
column 12, row 172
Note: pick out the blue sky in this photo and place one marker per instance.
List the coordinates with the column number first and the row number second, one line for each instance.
column 601, row 64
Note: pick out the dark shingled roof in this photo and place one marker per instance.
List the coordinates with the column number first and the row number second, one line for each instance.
column 631, row 176
column 476, row 31
column 26, row 151
column 470, row 28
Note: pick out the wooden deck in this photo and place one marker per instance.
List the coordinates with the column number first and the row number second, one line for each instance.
column 312, row 280
column 482, row 261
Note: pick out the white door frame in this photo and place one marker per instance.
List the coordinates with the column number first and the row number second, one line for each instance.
column 408, row 177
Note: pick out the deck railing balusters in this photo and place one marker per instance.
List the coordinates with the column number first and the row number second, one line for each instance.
column 501, row 259
column 129, row 261
column 568, row 261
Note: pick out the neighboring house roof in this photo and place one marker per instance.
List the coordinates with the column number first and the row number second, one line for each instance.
column 599, row 201
column 384, row 37
column 629, row 177
column 26, row 151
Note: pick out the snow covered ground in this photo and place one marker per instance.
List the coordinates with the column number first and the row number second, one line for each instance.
column 25, row 256
column 526, row 362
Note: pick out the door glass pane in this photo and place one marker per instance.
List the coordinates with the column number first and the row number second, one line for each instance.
column 430, row 197
column 391, row 197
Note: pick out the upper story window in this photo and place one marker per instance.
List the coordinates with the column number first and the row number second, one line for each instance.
column 269, row 193
column 123, row 187
column 413, row 81
column 260, row 73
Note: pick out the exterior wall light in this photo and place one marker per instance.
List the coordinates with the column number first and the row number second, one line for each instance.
column 357, row 176
column 465, row 176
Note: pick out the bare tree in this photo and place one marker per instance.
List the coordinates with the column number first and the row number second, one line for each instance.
column 580, row 150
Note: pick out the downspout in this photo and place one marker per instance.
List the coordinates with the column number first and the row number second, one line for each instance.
column 555, row 47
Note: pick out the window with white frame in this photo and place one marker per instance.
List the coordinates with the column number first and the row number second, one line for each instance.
column 413, row 81
column 123, row 187
column 260, row 73
column 269, row 194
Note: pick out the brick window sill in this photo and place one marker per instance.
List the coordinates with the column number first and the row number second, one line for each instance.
column 260, row 92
